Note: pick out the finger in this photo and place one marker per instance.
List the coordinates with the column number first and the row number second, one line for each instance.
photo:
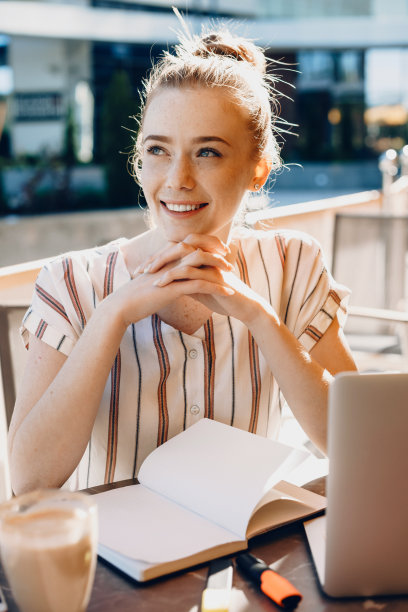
column 178, row 250
column 146, row 263
column 201, row 286
column 203, row 258
column 181, row 273
column 187, row 254
column 167, row 256
column 207, row 243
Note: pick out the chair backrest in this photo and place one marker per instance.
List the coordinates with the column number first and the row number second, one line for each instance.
column 12, row 354
column 370, row 256
column 12, row 360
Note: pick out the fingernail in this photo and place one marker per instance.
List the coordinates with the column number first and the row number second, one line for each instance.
column 159, row 282
column 229, row 291
column 147, row 269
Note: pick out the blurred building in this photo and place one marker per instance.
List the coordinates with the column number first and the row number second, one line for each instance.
column 349, row 61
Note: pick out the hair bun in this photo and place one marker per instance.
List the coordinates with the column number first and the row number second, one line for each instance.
column 225, row 43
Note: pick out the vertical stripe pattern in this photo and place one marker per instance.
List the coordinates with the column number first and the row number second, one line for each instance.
column 293, row 282
column 313, row 290
column 232, row 371
column 72, row 290
column 113, row 421
column 139, row 391
column 266, row 272
column 184, row 380
column 281, row 246
column 144, row 400
column 112, row 443
column 163, row 427
column 42, row 326
column 209, row 369
column 253, row 353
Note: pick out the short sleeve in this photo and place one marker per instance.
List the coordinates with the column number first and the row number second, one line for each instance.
column 312, row 298
column 67, row 291
column 47, row 316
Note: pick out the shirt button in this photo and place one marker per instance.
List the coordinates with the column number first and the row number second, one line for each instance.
column 195, row 409
column 193, row 353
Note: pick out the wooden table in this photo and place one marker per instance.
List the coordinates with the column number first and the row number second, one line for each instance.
column 285, row 550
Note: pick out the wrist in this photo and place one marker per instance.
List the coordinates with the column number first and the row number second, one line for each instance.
column 261, row 314
column 109, row 313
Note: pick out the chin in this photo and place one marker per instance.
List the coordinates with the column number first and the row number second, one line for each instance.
column 177, row 234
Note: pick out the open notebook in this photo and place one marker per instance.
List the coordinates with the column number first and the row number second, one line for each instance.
column 360, row 548
column 202, row 495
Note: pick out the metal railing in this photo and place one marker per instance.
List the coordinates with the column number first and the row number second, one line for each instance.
column 392, row 164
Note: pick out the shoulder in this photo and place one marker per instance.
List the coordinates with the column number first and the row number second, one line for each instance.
column 84, row 259
column 71, row 284
column 281, row 240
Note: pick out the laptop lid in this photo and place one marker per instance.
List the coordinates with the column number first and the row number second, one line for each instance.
column 366, row 548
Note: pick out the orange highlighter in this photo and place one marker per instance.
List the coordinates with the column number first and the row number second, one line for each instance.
column 274, row 586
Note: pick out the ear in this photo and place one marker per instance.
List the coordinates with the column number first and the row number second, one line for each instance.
column 261, row 173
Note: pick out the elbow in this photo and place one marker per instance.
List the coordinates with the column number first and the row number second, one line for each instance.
column 27, row 473
column 22, row 478
column 319, row 442
column 21, row 482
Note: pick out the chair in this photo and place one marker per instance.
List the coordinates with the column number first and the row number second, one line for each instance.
column 12, row 359
column 12, row 353
column 370, row 255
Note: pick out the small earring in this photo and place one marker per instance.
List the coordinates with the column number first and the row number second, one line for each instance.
column 256, row 186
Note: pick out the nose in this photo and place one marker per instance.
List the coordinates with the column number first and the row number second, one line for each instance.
column 180, row 173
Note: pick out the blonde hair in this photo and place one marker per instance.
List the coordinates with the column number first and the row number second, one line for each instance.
column 218, row 58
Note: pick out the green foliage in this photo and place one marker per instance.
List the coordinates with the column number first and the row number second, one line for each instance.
column 69, row 150
column 3, row 200
column 118, row 109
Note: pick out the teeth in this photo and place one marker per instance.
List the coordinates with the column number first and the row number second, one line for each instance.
column 182, row 207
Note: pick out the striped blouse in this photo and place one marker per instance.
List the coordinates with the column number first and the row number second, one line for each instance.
column 163, row 380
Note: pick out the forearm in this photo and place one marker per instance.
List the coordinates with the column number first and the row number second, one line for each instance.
column 303, row 381
column 49, row 441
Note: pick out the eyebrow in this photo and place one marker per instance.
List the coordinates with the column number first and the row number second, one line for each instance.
column 197, row 140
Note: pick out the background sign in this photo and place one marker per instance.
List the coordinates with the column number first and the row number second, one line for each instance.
column 38, row 106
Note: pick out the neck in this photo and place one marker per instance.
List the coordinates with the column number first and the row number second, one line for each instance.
column 159, row 238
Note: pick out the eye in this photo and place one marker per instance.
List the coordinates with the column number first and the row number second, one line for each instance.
column 208, row 152
column 155, row 150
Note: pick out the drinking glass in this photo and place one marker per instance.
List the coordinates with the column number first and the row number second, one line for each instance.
column 48, row 541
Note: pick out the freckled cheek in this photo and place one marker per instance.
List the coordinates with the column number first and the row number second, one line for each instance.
column 233, row 188
column 150, row 177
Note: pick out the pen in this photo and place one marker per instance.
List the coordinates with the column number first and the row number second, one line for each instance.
column 3, row 604
column 277, row 588
column 216, row 596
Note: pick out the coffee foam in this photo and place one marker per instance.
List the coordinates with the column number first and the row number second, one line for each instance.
column 46, row 527
column 49, row 561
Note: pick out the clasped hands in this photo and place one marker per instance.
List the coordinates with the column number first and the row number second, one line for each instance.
column 200, row 267
column 197, row 257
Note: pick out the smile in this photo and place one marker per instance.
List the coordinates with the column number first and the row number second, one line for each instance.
column 182, row 207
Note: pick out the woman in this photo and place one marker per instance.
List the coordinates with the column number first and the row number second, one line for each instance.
column 134, row 341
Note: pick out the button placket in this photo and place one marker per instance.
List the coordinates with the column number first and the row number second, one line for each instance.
column 194, row 376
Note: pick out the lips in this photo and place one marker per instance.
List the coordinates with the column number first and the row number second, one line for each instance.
column 183, row 207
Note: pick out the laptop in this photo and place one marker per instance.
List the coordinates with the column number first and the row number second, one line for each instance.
column 360, row 547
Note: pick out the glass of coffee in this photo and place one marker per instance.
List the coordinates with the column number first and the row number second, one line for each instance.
column 48, row 541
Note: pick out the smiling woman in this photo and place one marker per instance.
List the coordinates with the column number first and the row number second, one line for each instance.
column 132, row 342
column 192, row 171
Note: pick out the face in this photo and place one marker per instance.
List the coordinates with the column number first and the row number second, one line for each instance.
column 196, row 161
